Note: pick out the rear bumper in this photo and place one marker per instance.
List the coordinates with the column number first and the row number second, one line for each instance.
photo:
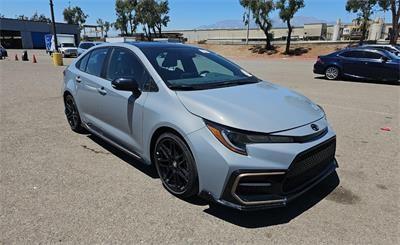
column 319, row 68
column 263, row 189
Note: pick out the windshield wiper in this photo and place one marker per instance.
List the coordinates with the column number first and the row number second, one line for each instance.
column 186, row 87
column 235, row 82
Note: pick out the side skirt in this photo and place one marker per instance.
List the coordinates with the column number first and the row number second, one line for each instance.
column 111, row 142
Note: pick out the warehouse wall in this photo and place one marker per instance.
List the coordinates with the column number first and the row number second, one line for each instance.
column 26, row 28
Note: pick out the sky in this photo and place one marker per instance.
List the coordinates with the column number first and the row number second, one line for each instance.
column 184, row 14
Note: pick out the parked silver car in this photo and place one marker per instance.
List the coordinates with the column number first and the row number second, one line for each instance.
column 84, row 46
column 210, row 127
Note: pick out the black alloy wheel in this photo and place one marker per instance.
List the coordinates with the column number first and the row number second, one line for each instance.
column 72, row 114
column 176, row 166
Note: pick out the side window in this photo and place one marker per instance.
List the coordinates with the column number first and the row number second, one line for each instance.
column 353, row 54
column 203, row 64
column 96, row 61
column 371, row 55
column 124, row 64
column 81, row 65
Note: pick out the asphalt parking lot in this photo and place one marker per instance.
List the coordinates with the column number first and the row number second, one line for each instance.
column 58, row 186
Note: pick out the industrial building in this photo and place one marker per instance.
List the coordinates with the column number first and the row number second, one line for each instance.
column 28, row 34
column 378, row 30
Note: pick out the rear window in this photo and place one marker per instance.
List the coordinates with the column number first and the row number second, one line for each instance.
column 86, row 45
column 68, row 45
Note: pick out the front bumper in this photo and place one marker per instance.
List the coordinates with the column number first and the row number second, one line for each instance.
column 270, row 176
column 71, row 53
column 257, row 189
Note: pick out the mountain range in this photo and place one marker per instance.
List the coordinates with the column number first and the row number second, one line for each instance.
column 276, row 23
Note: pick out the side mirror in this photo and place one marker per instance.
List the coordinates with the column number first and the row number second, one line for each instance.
column 126, row 84
column 384, row 59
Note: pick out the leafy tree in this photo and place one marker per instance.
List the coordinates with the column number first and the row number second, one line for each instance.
column 126, row 16
column 364, row 10
column 146, row 14
column 121, row 22
column 107, row 26
column 100, row 23
column 75, row 16
column 41, row 17
column 162, row 17
column 394, row 6
column 261, row 10
column 287, row 10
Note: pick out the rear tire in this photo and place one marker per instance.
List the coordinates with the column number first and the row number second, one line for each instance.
column 332, row 73
column 72, row 114
column 176, row 166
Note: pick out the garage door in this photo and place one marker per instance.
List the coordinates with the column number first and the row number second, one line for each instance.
column 38, row 39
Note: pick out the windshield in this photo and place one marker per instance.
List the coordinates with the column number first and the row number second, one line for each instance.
column 68, row 45
column 188, row 68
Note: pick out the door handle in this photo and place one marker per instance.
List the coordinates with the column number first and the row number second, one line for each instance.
column 102, row 91
column 78, row 79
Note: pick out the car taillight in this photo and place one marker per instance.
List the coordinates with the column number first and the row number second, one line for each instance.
column 319, row 60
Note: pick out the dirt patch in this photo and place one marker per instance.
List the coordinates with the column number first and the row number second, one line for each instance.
column 303, row 51
column 343, row 196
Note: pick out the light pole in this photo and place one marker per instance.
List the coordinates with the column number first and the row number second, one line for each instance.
column 53, row 23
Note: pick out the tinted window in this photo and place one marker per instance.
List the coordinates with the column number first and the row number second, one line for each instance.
column 86, row 45
column 353, row 54
column 68, row 45
column 124, row 64
column 371, row 55
column 96, row 61
column 81, row 65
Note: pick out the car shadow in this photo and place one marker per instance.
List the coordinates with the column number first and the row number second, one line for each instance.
column 149, row 170
column 276, row 216
column 358, row 81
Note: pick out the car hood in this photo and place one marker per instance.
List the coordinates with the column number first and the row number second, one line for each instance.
column 260, row 107
column 70, row 49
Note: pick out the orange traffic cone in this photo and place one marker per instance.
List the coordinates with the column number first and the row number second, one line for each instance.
column 16, row 57
column 34, row 59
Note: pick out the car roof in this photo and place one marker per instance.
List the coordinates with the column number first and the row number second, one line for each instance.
column 377, row 45
column 363, row 49
column 158, row 44
column 90, row 42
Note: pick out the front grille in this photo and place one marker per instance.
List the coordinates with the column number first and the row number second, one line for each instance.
column 309, row 165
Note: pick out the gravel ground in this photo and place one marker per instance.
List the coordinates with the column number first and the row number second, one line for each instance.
column 58, row 186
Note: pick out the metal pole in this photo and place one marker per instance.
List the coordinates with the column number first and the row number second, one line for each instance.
column 53, row 23
column 248, row 27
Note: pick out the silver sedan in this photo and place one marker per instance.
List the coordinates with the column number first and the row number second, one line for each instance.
column 209, row 127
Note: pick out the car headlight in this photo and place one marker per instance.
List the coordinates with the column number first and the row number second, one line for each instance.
column 236, row 140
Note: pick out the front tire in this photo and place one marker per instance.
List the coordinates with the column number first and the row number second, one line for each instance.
column 176, row 166
column 72, row 114
column 332, row 73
